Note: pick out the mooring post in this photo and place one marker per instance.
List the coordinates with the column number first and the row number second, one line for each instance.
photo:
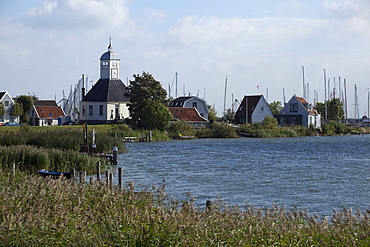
column 82, row 176
column 115, row 150
column 111, row 178
column 107, row 176
column 208, row 206
column 73, row 173
column 98, row 176
column 150, row 136
column 13, row 169
column 120, row 177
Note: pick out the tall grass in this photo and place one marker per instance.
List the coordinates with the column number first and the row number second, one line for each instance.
column 35, row 211
column 31, row 159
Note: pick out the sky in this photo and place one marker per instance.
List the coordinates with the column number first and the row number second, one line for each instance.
column 221, row 50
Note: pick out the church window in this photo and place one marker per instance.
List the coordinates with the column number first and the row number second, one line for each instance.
column 101, row 110
column 90, row 110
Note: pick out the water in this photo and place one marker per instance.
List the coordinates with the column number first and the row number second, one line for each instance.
column 318, row 174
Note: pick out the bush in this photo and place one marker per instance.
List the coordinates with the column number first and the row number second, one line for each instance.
column 180, row 126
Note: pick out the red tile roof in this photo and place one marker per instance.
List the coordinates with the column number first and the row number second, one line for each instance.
column 188, row 114
column 49, row 111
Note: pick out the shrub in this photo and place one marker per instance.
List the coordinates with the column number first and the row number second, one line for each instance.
column 180, row 126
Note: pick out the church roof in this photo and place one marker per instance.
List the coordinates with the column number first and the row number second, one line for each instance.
column 107, row 90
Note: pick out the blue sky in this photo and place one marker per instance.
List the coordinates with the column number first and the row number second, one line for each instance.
column 45, row 46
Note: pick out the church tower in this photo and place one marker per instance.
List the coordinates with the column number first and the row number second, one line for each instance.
column 109, row 64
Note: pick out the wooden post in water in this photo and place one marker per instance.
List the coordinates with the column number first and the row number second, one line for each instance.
column 150, row 136
column 98, row 176
column 13, row 169
column 208, row 206
column 115, row 150
column 73, row 173
column 111, row 178
column 120, row 177
column 107, row 176
column 82, row 176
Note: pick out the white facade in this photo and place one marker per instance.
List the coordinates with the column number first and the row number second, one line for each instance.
column 299, row 112
column 8, row 103
column 103, row 111
column 261, row 110
column 192, row 101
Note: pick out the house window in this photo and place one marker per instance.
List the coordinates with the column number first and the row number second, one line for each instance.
column 293, row 107
column 6, row 103
column 90, row 110
column 195, row 104
column 101, row 110
column 262, row 109
column 84, row 113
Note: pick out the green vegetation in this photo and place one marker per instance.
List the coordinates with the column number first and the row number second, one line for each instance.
column 2, row 108
column 148, row 103
column 26, row 102
column 43, row 212
column 275, row 107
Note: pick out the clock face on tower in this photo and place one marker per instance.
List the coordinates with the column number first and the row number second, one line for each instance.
column 115, row 73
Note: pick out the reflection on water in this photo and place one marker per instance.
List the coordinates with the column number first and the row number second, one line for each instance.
column 319, row 174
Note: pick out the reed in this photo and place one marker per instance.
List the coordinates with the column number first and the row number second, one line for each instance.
column 31, row 159
column 43, row 212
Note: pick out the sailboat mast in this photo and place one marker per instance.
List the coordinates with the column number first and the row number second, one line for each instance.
column 304, row 85
column 345, row 100
column 326, row 103
column 225, row 96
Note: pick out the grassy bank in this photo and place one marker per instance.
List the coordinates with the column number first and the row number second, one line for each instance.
column 41, row 212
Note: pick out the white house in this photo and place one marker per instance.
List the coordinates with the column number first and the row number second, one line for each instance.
column 253, row 109
column 45, row 112
column 192, row 101
column 299, row 112
column 8, row 103
column 106, row 101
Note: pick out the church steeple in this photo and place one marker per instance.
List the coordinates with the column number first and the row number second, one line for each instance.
column 109, row 64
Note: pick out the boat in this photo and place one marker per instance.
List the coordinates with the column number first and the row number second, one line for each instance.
column 53, row 174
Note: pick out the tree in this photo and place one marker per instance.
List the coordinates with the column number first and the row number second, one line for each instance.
column 212, row 114
column 17, row 109
column 229, row 115
column 144, row 90
column 275, row 107
column 335, row 110
column 2, row 109
column 27, row 103
column 155, row 115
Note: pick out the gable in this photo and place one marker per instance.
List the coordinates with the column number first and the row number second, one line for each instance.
column 297, row 105
column 107, row 90
column 248, row 104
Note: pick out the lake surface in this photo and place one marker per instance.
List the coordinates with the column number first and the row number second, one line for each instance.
column 318, row 174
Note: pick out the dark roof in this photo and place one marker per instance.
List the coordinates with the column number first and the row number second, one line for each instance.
column 107, row 90
column 45, row 102
column 251, row 102
column 181, row 99
column 188, row 114
column 49, row 111
column 2, row 94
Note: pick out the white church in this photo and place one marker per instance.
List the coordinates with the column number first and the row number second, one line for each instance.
column 106, row 101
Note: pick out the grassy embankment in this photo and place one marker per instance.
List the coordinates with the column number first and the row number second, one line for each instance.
column 35, row 211
column 56, row 147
